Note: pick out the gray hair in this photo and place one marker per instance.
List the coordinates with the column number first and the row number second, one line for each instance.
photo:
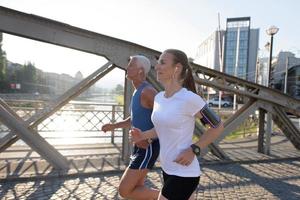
column 144, row 61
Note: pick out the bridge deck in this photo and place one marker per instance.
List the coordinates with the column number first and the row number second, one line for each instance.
column 257, row 177
column 20, row 161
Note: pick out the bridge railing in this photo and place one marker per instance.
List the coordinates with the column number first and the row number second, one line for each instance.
column 78, row 122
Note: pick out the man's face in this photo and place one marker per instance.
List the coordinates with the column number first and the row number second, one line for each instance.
column 133, row 69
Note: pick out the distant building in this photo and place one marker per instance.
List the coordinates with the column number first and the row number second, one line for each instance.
column 208, row 52
column 262, row 76
column 238, row 45
column 286, row 61
column 293, row 83
column 78, row 76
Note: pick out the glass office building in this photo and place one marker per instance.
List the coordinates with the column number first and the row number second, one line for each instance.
column 237, row 43
column 237, row 47
column 293, row 81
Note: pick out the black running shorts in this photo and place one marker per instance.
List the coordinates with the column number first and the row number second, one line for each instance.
column 179, row 188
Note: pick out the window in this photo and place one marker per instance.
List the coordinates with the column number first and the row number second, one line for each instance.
column 243, row 35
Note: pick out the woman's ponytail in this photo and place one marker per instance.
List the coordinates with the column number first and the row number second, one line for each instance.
column 189, row 82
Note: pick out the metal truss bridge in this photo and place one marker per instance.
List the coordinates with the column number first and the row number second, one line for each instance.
column 271, row 104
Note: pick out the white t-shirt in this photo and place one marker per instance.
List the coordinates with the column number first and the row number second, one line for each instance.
column 174, row 122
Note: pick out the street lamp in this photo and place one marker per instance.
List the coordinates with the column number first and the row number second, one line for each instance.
column 271, row 31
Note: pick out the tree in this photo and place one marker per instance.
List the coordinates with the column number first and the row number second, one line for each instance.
column 3, row 62
column 27, row 77
column 29, row 71
column 119, row 89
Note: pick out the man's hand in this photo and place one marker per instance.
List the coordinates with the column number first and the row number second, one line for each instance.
column 136, row 135
column 137, row 138
column 142, row 144
column 108, row 127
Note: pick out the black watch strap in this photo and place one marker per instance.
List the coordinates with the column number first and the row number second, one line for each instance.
column 196, row 149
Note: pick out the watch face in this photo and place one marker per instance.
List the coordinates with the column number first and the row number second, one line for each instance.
column 196, row 149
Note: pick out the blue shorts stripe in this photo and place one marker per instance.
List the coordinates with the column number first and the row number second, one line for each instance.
column 148, row 157
column 144, row 158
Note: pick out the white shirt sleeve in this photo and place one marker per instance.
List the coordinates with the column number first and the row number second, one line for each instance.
column 194, row 104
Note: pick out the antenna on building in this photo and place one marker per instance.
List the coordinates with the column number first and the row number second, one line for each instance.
column 220, row 55
column 220, row 43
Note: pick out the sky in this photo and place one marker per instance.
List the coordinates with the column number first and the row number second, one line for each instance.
column 158, row 24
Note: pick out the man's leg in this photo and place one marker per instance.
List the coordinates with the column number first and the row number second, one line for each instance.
column 132, row 185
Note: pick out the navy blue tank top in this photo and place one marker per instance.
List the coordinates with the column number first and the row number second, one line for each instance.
column 140, row 116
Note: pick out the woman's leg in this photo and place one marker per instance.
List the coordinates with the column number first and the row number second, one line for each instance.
column 192, row 197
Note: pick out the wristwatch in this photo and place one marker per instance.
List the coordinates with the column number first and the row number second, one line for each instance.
column 196, row 149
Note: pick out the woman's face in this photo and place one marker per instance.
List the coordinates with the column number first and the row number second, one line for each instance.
column 165, row 68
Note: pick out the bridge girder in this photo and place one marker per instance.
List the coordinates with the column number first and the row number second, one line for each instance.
column 46, row 30
column 118, row 51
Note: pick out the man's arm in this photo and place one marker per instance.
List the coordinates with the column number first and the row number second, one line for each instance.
column 138, row 135
column 126, row 123
column 147, row 97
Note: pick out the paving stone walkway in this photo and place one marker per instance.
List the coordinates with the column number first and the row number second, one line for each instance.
column 264, row 180
column 247, row 175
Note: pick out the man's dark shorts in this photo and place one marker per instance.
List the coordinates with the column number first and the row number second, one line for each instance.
column 144, row 158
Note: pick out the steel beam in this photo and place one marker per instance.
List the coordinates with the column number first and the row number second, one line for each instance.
column 283, row 122
column 118, row 51
column 237, row 118
column 127, row 147
column 58, row 103
column 286, row 125
column 9, row 136
column 57, row 33
column 225, row 82
column 213, row 148
column 71, row 93
column 35, row 141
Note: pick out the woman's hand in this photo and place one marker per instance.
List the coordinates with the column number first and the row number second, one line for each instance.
column 136, row 135
column 186, row 157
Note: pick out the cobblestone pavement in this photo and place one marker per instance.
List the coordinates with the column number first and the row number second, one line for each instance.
column 257, row 180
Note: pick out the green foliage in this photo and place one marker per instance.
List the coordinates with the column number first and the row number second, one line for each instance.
column 29, row 73
column 119, row 89
column 3, row 62
column 24, row 75
column 120, row 99
column 248, row 127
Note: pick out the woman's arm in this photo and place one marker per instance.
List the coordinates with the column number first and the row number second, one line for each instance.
column 210, row 135
column 138, row 135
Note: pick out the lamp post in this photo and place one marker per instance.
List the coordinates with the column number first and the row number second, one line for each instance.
column 271, row 31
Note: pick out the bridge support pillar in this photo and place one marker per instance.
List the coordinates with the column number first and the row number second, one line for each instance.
column 264, row 134
column 35, row 141
column 126, row 143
